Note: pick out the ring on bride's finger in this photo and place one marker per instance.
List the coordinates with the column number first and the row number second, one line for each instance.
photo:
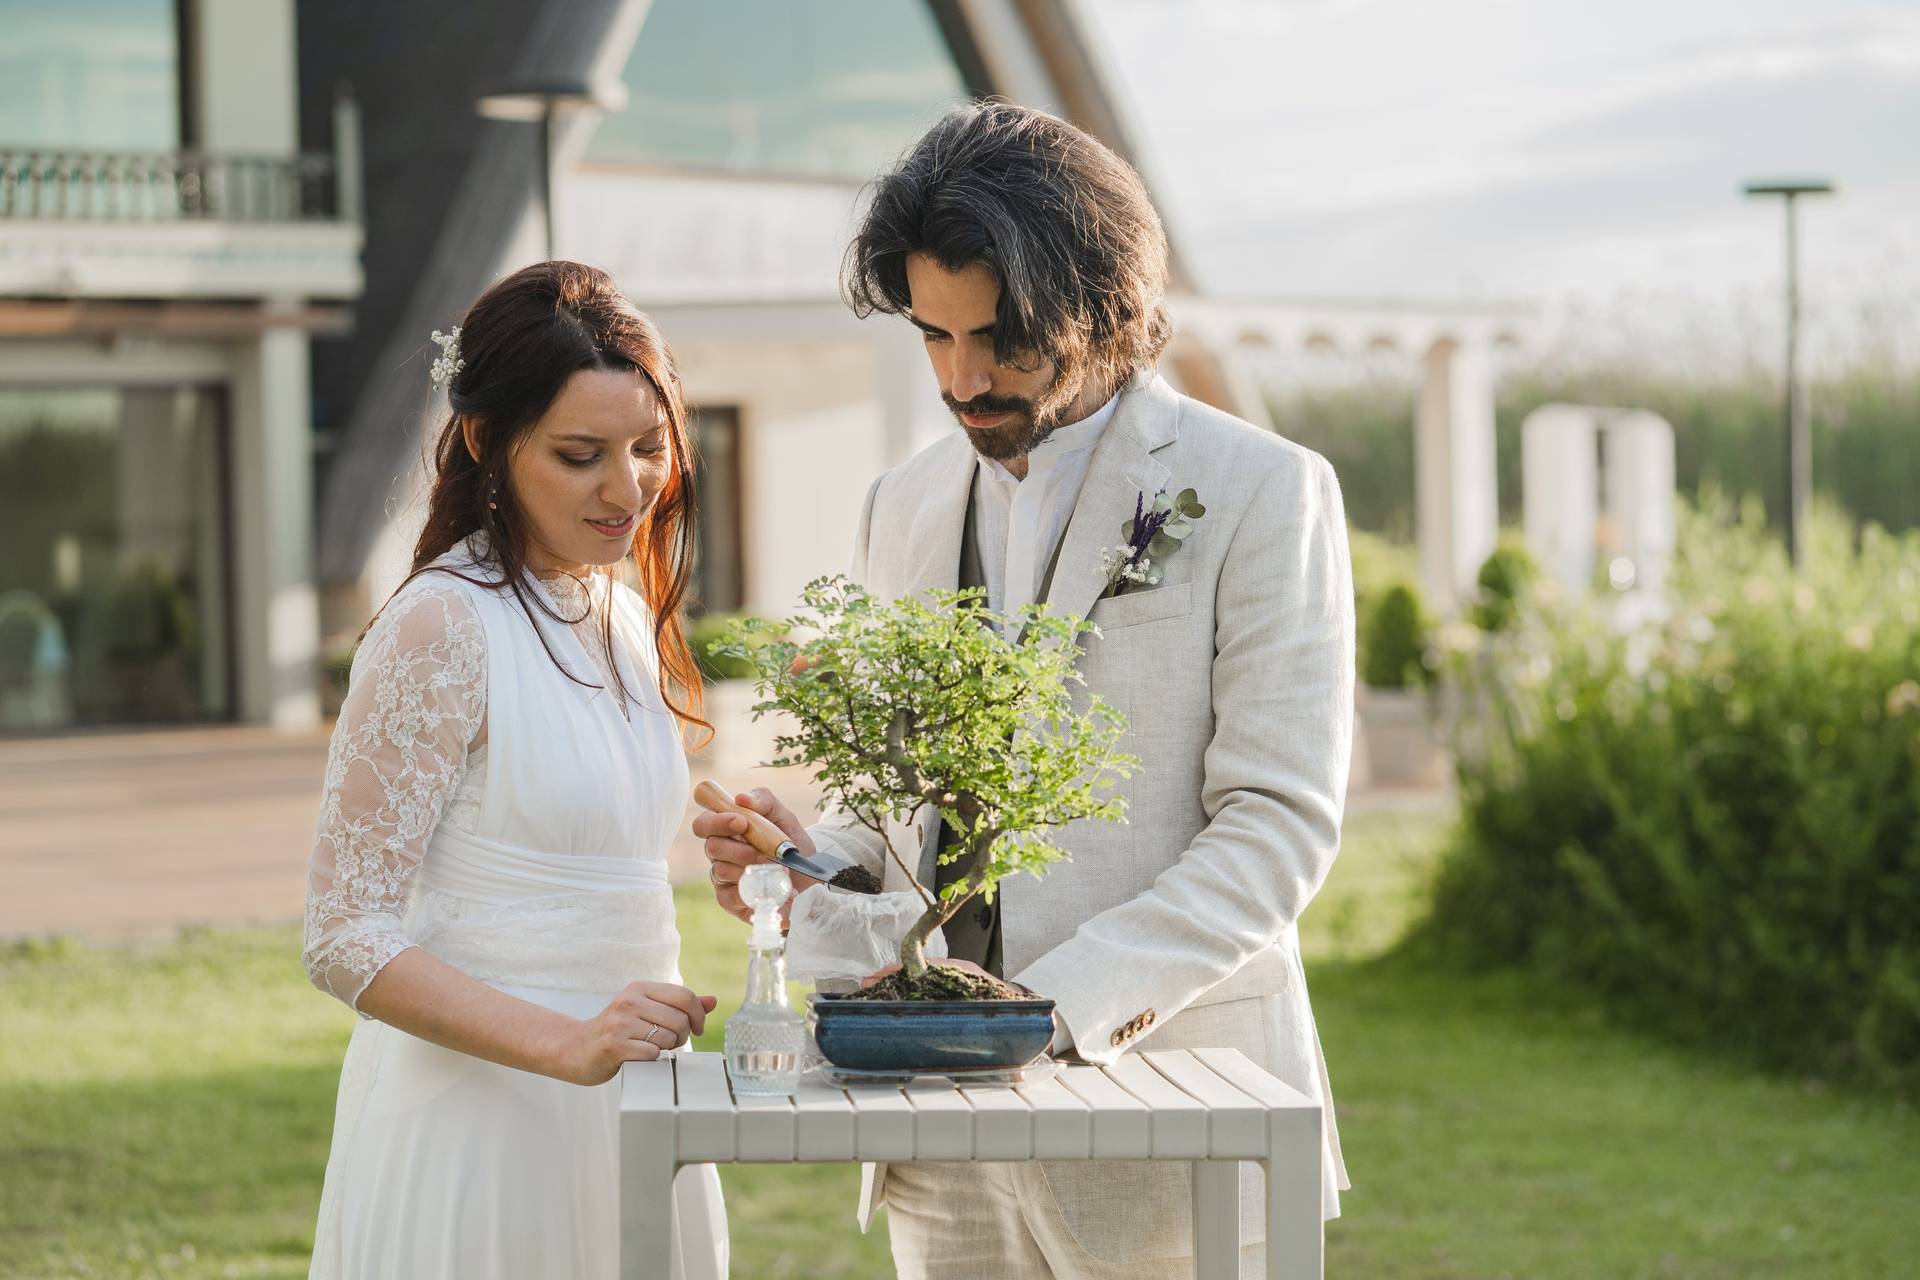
column 651, row 1028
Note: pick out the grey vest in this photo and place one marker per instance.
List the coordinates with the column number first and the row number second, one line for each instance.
column 974, row 933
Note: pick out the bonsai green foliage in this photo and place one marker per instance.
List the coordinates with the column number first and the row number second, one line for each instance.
column 923, row 704
column 1715, row 819
column 1393, row 640
column 1505, row 577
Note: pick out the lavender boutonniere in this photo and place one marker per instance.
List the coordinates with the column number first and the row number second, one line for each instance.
column 1156, row 531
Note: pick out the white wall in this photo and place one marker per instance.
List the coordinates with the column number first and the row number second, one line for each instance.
column 677, row 238
column 813, row 437
column 244, row 88
column 809, row 475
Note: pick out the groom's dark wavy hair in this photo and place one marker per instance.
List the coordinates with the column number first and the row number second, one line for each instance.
column 1062, row 222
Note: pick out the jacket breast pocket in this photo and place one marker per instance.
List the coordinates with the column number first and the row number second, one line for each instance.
column 1141, row 606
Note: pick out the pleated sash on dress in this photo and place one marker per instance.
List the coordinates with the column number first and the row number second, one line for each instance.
column 563, row 883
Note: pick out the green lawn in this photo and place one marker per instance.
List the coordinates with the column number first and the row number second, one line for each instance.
column 165, row 1112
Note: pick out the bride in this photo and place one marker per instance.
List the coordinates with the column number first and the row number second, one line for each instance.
column 488, row 885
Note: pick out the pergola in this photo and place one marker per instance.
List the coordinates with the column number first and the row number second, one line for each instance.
column 1456, row 490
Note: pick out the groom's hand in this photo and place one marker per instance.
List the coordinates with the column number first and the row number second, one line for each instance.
column 729, row 855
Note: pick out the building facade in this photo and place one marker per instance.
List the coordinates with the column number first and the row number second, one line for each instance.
column 166, row 251
column 227, row 228
column 721, row 195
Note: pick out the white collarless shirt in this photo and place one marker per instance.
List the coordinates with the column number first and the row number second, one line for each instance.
column 1018, row 523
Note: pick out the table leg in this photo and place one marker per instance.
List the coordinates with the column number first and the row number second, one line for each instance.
column 1294, row 1225
column 1216, row 1219
column 646, row 1209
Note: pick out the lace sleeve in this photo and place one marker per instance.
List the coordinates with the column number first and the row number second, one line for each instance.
column 416, row 701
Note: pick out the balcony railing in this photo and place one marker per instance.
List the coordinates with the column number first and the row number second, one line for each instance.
column 172, row 186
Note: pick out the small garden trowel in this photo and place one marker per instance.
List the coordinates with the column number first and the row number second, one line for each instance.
column 769, row 839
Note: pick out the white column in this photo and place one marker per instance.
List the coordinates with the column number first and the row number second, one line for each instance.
column 1456, row 497
column 277, row 614
column 245, row 101
column 1638, row 496
column 1559, row 491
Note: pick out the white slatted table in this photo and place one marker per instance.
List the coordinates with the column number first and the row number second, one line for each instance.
column 1212, row 1108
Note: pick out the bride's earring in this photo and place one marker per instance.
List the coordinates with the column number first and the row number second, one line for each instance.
column 491, row 494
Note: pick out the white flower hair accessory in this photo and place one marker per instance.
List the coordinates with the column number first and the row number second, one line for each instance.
column 449, row 362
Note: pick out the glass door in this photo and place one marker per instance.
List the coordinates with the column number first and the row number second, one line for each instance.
column 113, row 577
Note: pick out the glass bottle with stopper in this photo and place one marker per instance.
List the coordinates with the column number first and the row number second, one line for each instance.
column 765, row 1037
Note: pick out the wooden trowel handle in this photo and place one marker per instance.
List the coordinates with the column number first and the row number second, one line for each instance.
column 761, row 833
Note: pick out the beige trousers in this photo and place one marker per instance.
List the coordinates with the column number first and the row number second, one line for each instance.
column 1001, row 1222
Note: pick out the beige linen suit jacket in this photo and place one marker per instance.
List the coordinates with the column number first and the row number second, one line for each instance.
column 1176, row 929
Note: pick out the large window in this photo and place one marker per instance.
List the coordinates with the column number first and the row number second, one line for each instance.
column 97, row 75
column 113, row 606
column 826, row 88
column 719, row 567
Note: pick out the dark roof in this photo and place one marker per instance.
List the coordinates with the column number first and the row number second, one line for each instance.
column 445, row 192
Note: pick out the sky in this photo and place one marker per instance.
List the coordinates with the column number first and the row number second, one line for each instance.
column 1557, row 152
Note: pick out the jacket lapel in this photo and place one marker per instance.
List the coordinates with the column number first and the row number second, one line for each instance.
column 933, row 542
column 1122, row 469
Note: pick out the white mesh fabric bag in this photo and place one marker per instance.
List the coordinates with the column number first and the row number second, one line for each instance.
column 835, row 933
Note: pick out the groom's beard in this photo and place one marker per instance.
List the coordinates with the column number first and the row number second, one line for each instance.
column 1031, row 422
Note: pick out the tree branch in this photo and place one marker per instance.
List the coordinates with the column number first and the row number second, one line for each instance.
column 886, row 842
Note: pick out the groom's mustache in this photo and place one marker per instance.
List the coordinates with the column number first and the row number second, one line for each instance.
column 986, row 406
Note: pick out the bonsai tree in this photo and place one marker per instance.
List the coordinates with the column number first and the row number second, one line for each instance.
column 925, row 706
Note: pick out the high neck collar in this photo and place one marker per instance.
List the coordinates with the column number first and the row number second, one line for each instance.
column 1064, row 442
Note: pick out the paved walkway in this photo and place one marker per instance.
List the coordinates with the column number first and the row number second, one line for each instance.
column 123, row 836
column 116, row 837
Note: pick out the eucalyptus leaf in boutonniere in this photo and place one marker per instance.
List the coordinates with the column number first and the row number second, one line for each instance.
column 1156, row 531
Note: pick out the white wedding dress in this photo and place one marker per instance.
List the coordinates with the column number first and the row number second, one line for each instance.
column 534, row 862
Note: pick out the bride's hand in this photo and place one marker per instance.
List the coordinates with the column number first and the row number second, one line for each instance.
column 729, row 855
column 638, row 1025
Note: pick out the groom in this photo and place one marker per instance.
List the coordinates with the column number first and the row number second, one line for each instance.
column 1033, row 264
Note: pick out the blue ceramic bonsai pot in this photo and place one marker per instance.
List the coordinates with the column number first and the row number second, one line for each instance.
column 930, row 1035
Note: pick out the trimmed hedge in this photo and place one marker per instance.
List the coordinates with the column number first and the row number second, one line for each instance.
column 1714, row 819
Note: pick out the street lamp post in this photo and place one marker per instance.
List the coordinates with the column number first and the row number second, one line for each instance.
column 1799, row 437
column 550, row 103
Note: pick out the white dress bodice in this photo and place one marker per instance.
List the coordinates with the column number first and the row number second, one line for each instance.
column 535, row 859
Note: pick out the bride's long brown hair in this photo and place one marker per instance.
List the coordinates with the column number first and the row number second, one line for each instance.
column 519, row 343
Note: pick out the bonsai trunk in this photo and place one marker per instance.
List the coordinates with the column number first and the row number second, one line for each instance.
column 913, row 947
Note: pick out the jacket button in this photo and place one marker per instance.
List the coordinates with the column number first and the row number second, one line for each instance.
column 1119, row 1036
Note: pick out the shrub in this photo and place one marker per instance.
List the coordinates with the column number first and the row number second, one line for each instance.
column 1506, row 576
column 704, row 632
column 1715, row 819
column 1378, row 563
column 1394, row 639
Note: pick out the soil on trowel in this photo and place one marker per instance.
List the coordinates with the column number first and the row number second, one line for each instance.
column 855, row 880
column 939, row 982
